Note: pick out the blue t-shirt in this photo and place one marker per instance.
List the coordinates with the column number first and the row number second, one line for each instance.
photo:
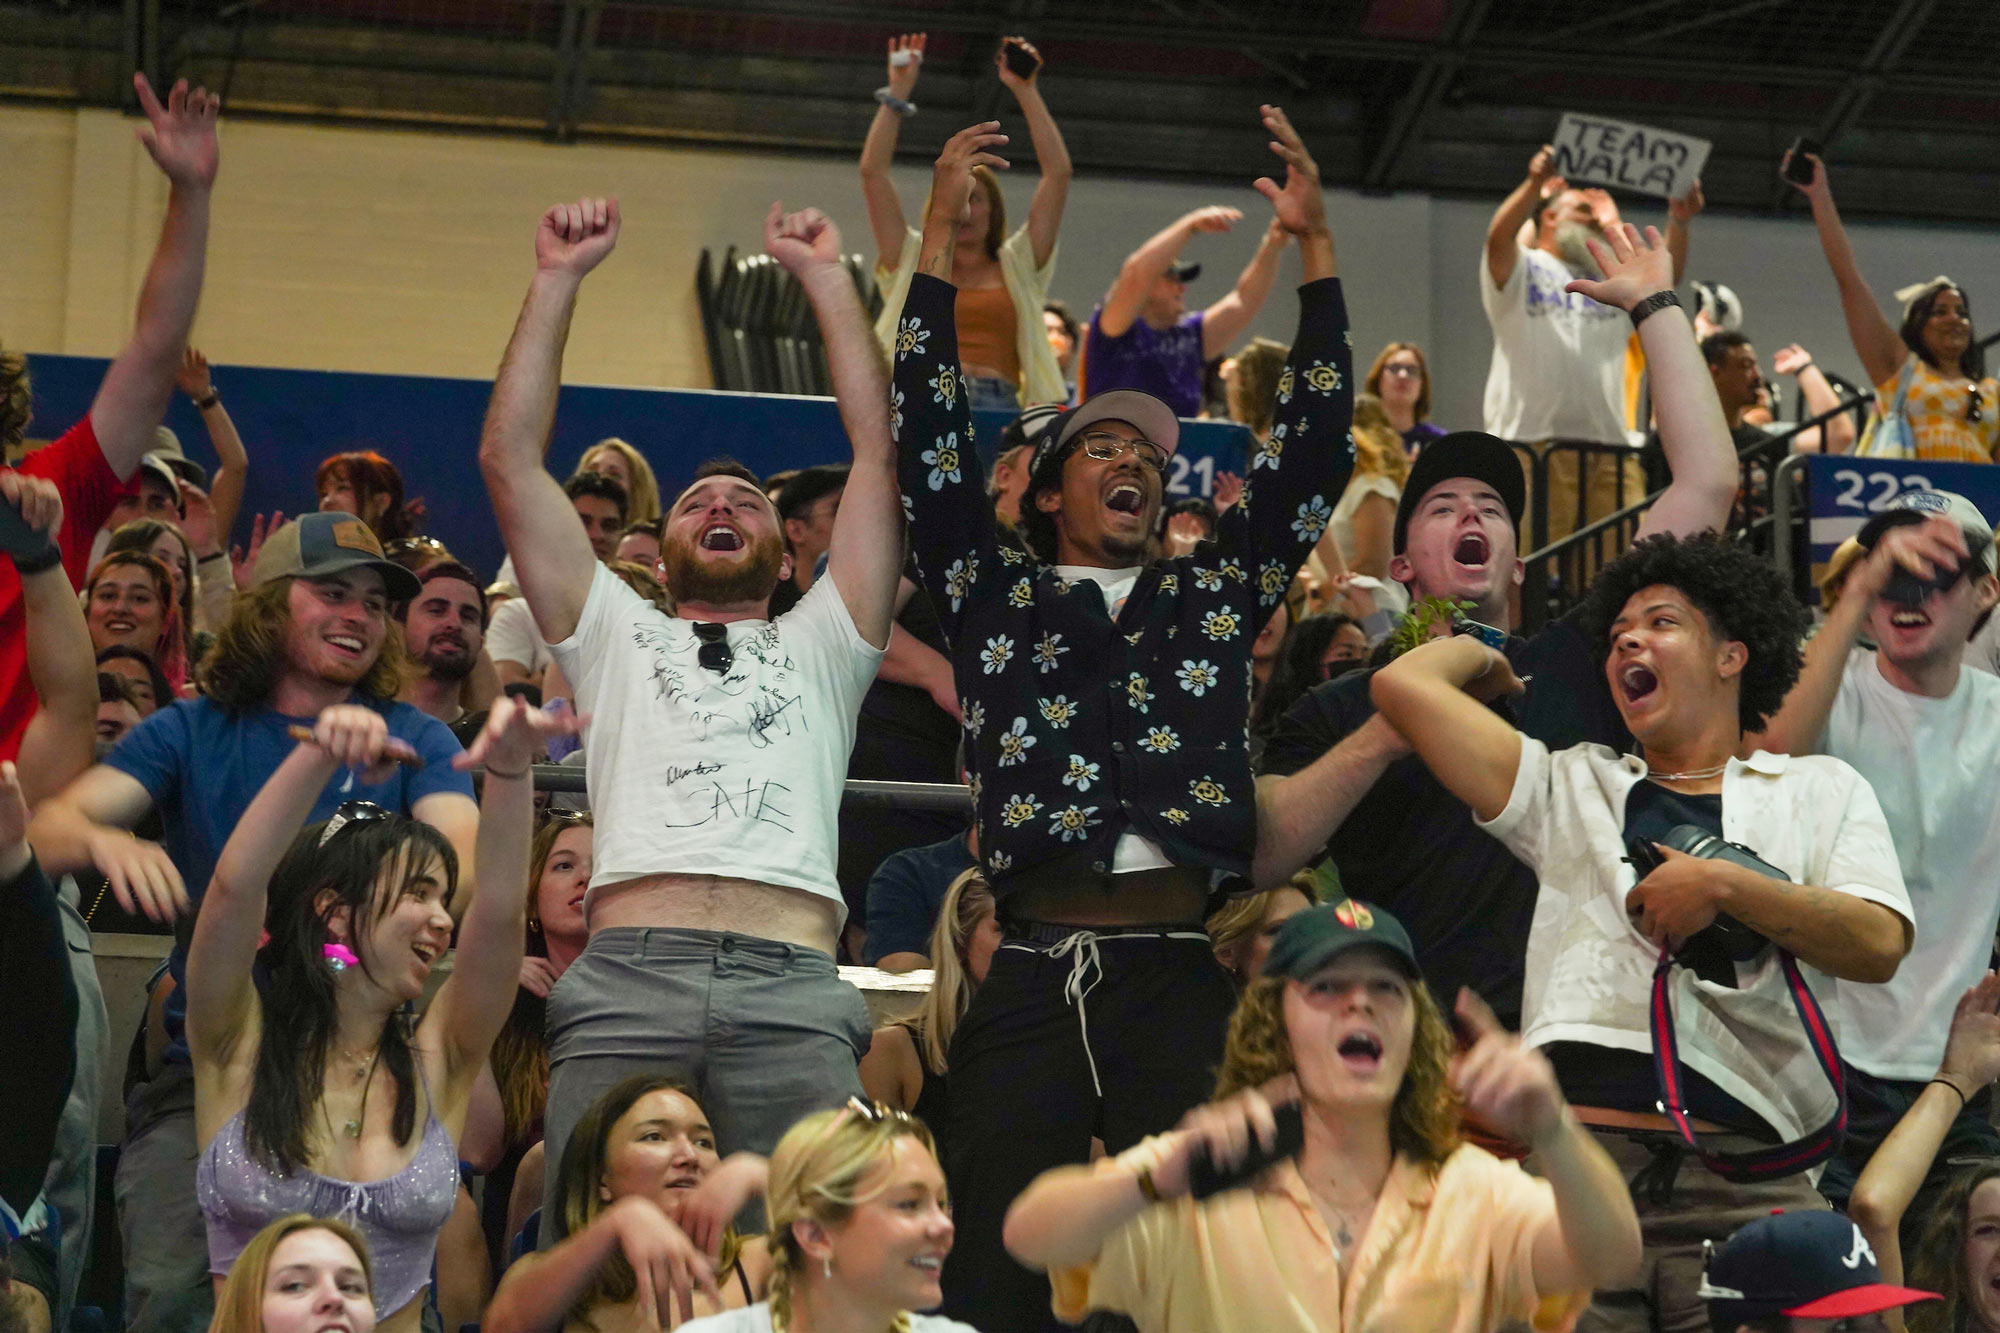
column 203, row 767
column 905, row 893
column 1163, row 362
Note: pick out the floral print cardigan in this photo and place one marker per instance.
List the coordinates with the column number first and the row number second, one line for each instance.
column 1080, row 727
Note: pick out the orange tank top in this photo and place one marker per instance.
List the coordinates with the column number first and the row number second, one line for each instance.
column 986, row 332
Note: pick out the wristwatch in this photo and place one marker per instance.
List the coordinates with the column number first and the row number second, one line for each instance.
column 1651, row 305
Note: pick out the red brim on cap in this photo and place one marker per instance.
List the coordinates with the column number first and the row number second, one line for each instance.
column 1871, row 1299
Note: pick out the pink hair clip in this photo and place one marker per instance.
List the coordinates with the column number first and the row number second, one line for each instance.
column 339, row 957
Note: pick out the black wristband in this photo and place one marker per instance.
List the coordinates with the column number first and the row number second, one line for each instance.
column 208, row 400
column 47, row 558
column 1656, row 302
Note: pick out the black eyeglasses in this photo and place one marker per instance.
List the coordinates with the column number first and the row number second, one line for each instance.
column 350, row 812
column 1975, row 409
column 715, row 654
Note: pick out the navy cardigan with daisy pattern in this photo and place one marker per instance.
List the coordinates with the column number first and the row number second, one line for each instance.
column 1080, row 727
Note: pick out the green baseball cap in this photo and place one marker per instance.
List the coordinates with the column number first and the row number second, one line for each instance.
column 1313, row 938
column 317, row 545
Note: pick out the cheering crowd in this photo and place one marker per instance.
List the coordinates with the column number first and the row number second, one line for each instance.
column 1319, row 954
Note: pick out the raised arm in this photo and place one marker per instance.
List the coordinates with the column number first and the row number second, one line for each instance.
column 1922, row 549
column 865, row 558
column 180, row 137
column 878, row 152
column 1693, row 432
column 1681, row 214
column 1876, row 341
column 472, row 1006
column 1045, row 210
column 1225, row 321
column 1435, row 695
column 1143, row 267
column 1503, row 245
column 58, row 743
column 552, row 556
column 221, row 995
column 1818, row 396
column 225, row 487
column 1896, row 1172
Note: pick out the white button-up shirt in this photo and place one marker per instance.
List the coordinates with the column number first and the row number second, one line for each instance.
column 1590, row 970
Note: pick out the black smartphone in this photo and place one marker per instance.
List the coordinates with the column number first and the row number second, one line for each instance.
column 1206, row 1178
column 1021, row 64
column 1797, row 169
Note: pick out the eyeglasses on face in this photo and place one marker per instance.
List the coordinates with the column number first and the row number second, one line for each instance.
column 1401, row 371
column 351, row 812
column 716, row 654
column 1104, row 446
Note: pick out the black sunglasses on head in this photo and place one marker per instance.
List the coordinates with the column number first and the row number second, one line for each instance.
column 350, row 812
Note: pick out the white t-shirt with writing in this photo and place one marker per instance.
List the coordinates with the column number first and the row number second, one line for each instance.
column 696, row 772
column 1558, row 368
column 1932, row 764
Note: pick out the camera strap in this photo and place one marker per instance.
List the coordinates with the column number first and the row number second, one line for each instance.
column 1765, row 1163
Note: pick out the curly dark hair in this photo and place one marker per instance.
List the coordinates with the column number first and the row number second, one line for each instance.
column 1743, row 598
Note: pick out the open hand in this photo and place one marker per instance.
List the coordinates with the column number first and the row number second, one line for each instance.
column 1972, row 1050
column 180, row 136
column 38, row 500
column 801, row 241
column 1678, row 900
column 1816, row 189
column 1228, row 490
column 242, row 563
column 666, row 1263
column 198, row 521
column 515, row 735
column 1007, row 76
column 140, row 874
column 1299, row 207
column 1634, row 267
column 906, row 59
column 193, row 378
column 1510, row 1086
column 951, row 178
column 575, row 238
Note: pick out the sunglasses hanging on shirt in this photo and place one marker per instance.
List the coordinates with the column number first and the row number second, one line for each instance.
column 715, row 654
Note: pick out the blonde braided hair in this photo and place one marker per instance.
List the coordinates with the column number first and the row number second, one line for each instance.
column 817, row 1172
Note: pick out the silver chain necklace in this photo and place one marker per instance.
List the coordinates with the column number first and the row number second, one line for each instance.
column 1692, row 775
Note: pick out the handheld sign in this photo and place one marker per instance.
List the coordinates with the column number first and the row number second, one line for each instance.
column 1634, row 157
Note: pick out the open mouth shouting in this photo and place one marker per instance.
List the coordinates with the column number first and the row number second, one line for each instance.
column 427, row 952
column 1471, row 550
column 1911, row 619
column 1637, row 682
column 1125, row 497
column 1360, row 1052
column 720, row 537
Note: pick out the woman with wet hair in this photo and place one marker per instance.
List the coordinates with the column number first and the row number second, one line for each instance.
column 313, row 1092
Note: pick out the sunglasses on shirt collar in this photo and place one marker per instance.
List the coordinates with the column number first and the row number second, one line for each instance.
column 715, row 654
